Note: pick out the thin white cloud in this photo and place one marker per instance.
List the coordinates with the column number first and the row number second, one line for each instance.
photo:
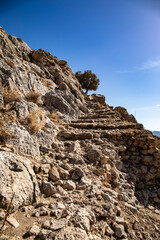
column 157, row 105
column 149, row 65
column 124, row 71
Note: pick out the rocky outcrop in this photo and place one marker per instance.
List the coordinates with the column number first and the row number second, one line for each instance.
column 94, row 167
column 17, row 178
column 29, row 70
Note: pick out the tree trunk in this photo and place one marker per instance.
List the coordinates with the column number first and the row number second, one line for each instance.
column 86, row 91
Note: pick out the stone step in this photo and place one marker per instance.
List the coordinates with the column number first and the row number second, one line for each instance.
column 100, row 120
column 94, row 134
column 102, row 110
column 104, row 126
column 96, row 115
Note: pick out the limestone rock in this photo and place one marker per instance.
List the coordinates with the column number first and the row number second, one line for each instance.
column 47, row 188
column 61, row 102
column 11, row 220
column 54, row 174
column 45, row 137
column 61, row 191
column 17, row 176
column 44, row 234
column 119, row 230
column 58, row 224
column 35, row 229
column 69, row 185
column 125, row 114
column 76, row 173
column 74, row 147
column 94, row 155
column 131, row 208
column 97, row 98
column 71, row 233
column 55, row 224
column 22, row 141
column 82, row 218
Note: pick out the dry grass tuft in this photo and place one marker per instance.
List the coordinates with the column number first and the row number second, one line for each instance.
column 4, row 134
column 11, row 95
column 33, row 96
column 47, row 83
column 19, row 39
column 4, row 119
column 54, row 116
column 34, row 120
column 62, row 63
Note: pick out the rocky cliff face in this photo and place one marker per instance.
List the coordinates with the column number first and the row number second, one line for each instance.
column 74, row 168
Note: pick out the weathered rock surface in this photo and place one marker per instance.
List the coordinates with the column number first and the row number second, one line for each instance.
column 26, row 70
column 23, row 143
column 71, row 233
column 17, row 177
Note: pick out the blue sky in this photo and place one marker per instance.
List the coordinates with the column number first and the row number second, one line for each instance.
column 119, row 40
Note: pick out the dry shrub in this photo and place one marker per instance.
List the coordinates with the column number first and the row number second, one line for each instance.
column 19, row 39
column 47, row 83
column 54, row 116
column 62, row 63
column 4, row 134
column 35, row 122
column 33, row 96
column 11, row 95
column 4, row 119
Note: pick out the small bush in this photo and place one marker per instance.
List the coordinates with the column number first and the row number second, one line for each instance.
column 88, row 80
column 54, row 116
column 11, row 95
column 33, row 97
column 34, row 120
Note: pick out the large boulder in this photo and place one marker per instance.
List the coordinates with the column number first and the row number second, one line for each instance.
column 17, row 177
column 97, row 98
column 125, row 114
column 62, row 101
column 13, row 46
column 23, row 143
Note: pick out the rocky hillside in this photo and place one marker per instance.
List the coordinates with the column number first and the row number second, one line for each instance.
column 70, row 168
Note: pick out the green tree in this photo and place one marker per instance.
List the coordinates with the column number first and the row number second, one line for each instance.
column 88, row 80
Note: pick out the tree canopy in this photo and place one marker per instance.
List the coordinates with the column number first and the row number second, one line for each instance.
column 88, row 80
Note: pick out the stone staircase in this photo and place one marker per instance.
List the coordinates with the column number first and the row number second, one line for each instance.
column 136, row 147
